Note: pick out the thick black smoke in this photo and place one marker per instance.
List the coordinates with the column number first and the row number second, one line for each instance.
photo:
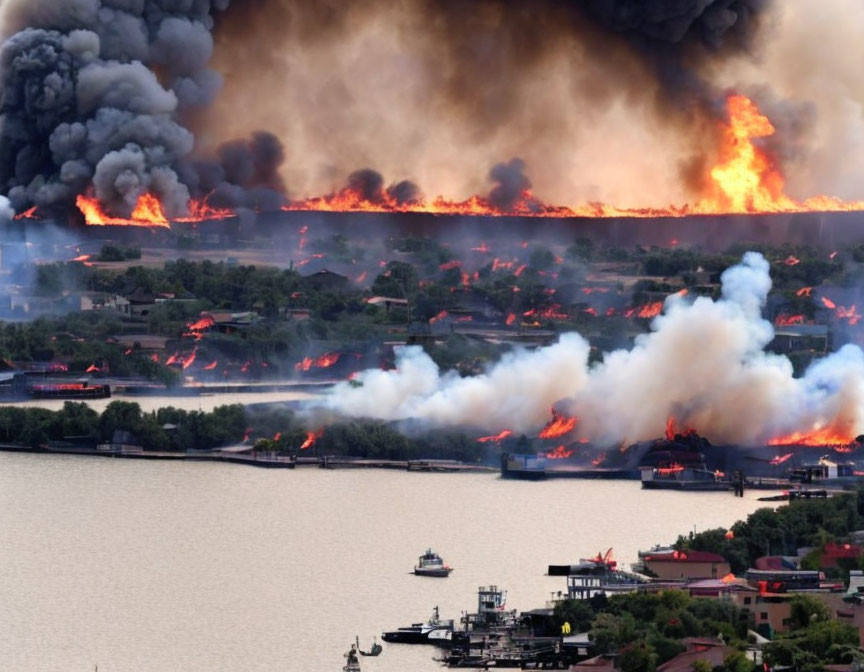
column 82, row 104
column 675, row 21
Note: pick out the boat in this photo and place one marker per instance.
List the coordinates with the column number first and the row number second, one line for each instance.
column 680, row 470
column 431, row 564
column 418, row 633
column 374, row 651
column 352, row 663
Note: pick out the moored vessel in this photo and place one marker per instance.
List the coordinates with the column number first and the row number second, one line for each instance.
column 418, row 633
column 431, row 564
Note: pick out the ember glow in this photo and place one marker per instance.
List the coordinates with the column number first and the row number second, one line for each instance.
column 780, row 459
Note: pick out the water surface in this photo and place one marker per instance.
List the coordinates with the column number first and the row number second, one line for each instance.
column 198, row 567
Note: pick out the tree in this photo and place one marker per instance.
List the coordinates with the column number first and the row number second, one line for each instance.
column 638, row 657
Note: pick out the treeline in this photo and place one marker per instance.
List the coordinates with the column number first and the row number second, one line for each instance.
column 811, row 523
column 647, row 629
column 79, row 340
column 165, row 429
column 272, row 429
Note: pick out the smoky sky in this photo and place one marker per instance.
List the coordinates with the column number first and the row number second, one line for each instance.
column 101, row 95
column 244, row 101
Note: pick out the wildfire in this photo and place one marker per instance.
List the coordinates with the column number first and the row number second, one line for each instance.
column 27, row 214
column 212, row 365
column 804, row 291
column 311, row 438
column 148, row 212
column 783, row 320
column 322, row 362
column 672, row 432
column 744, row 180
column 780, row 459
column 821, row 436
column 440, row 316
column 200, row 210
column 559, row 425
column 196, row 329
column 559, row 453
column 646, row 312
column 496, row 437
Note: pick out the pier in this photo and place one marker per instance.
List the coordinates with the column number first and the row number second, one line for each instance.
column 243, row 455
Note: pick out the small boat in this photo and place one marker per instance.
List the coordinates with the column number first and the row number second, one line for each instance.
column 374, row 651
column 352, row 663
column 418, row 633
column 431, row 564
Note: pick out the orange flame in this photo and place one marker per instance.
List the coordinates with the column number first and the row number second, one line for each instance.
column 823, row 436
column 212, row 365
column 780, row 459
column 783, row 320
column 559, row 453
column 27, row 214
column 311, row 438
column 496, row 437
column 322, row 362
column 559, row 425
column 148, row 212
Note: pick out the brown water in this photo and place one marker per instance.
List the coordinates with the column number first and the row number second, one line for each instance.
column 154, row 567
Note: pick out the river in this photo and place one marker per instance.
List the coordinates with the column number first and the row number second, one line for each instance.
column 155, row 567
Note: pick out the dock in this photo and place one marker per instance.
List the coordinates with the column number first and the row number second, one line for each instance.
column 243, row 455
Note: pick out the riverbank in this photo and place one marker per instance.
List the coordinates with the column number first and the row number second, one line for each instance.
column 242, row 455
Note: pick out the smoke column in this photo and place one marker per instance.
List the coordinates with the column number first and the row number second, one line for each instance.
column 703, row 363
column 98, row 93
column 606, row 101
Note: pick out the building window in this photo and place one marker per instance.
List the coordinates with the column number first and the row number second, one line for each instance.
column 764, row 615
column 747, row 600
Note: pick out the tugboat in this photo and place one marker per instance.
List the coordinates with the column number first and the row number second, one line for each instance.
column 431, row 564
column 418, row 633
column 352, row 663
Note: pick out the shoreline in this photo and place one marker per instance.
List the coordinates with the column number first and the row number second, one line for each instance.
column 261, row 460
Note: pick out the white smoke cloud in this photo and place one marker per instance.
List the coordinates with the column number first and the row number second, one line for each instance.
column 703, row 363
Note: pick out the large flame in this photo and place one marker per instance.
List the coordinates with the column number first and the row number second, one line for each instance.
column 148, row 212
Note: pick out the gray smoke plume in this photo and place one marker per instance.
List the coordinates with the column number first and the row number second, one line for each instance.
column 82, row 104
